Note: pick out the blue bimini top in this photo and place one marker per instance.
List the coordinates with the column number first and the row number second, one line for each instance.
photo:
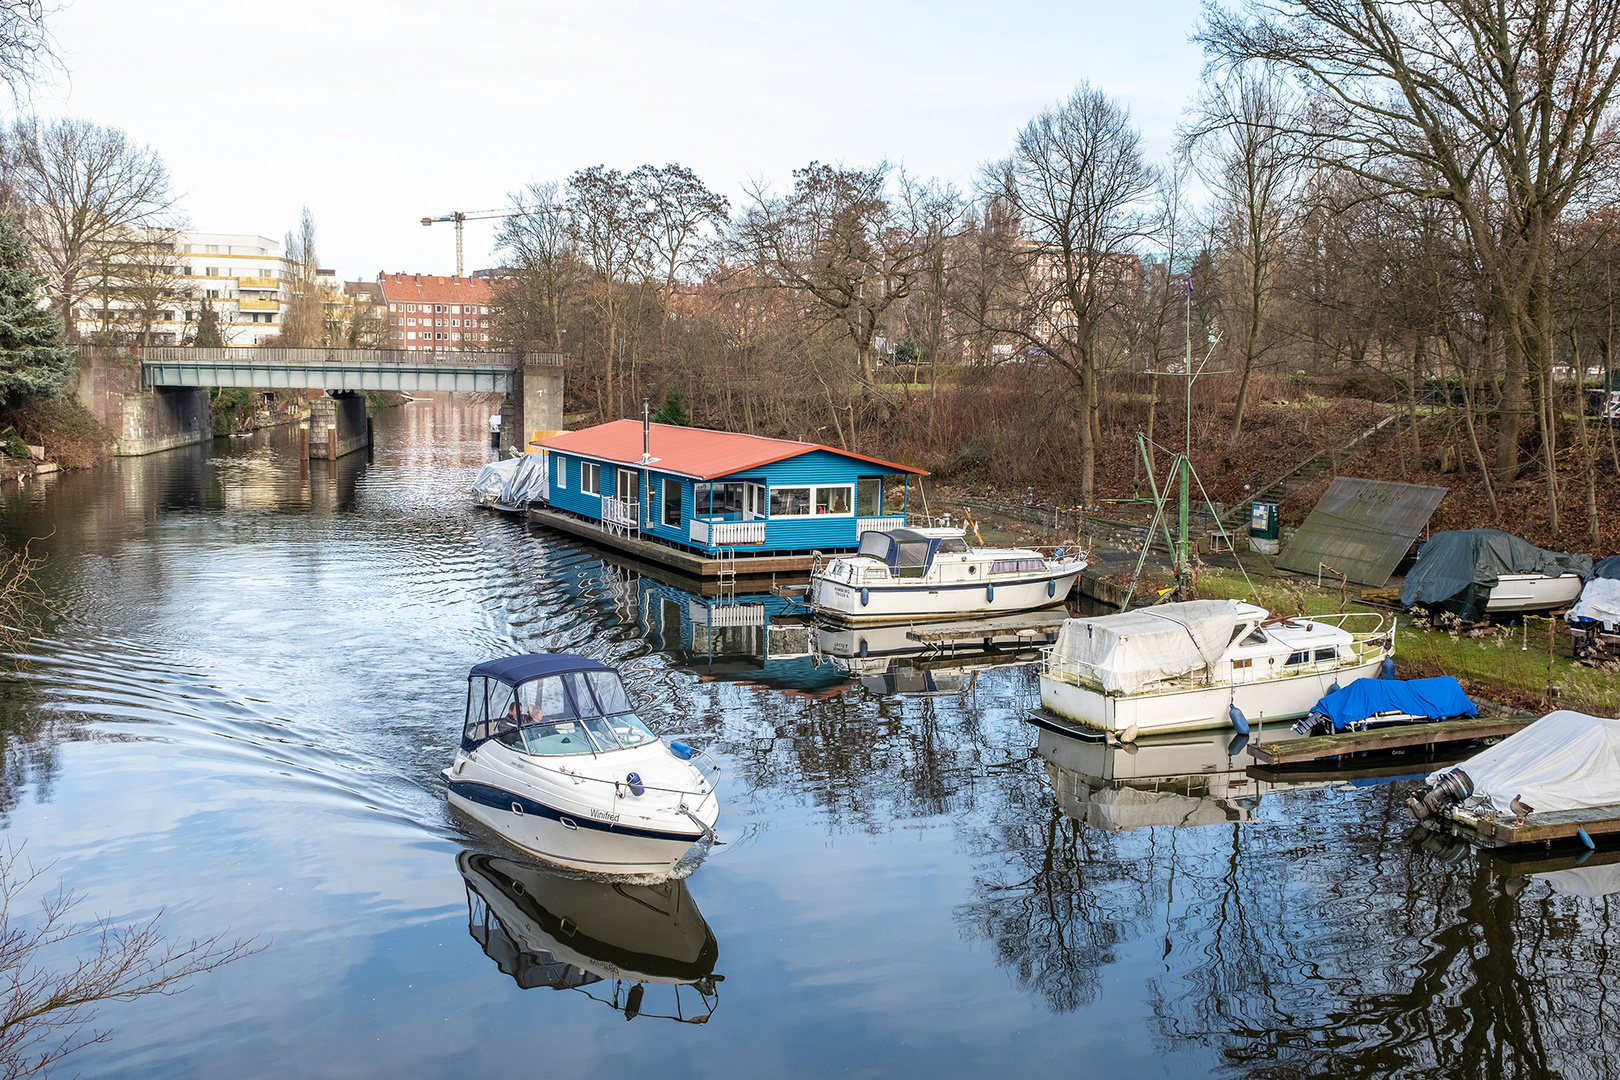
column 512, row 670
column 1439, row 699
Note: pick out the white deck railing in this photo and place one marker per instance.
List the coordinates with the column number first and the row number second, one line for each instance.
column 726, row 614
column 726, row 533
column 878, row 524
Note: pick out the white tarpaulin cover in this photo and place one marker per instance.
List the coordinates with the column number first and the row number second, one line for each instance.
column 1564, row 761
column 1600, row 600
column 491, row 481
column 1128, row 651
column 527, row 483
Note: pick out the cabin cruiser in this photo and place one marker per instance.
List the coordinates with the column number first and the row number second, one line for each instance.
column 1477, row 573
column 933, row 573
column 554, row 758
column 1205, row 663
column 549, row 929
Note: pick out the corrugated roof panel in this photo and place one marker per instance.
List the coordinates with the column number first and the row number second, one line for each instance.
column 1362, row 528
column 690, row 451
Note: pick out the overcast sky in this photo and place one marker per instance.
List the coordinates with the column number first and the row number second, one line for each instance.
column 376, row 113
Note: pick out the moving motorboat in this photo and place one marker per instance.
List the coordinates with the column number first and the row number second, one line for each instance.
column 548, row 929
column 1376, row 703
column 1477, row 573
column 1205, row 663
column 933, row 573
column 554, row 758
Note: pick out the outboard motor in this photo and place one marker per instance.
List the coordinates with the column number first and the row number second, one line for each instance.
column 1453, row 787
column 1313, row 724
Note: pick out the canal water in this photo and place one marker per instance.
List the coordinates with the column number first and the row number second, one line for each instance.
column 252, row 670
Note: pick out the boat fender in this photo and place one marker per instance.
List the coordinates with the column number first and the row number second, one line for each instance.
column 1333, row 687
column 1586, row 839
column 989, row 593
column 632, row 1001
column 1239, row 721
column 1051, row 587
column 1059, row 553
column 1386, row 670
column 682, row 751
column 863, row 648
column 637, row 788
column 866, row 596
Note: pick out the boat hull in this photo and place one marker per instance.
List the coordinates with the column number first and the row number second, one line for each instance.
column 1197, row 708
column 928, row 601
column 1532, row 592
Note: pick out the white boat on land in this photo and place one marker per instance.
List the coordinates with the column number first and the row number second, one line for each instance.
column 1514, row 593
column 933, row 573
column 1182, row 667
column 555, row 760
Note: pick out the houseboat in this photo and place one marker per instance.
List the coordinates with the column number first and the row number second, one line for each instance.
column 715, row 494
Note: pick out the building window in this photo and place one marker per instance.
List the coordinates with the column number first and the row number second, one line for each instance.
column 410, row 307
column 869, row 496
column 717, row 499
column 438, row 308
column 672, row 503
column 790, row 502
column 834, row 500
column 590, row 478
column 562, row 473
column 483, row 311
column 211, row 249
column 393, row 307
column 411, row 335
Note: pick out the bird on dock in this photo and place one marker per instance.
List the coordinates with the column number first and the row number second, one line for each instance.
column 1129, row 734
column 1521, row 808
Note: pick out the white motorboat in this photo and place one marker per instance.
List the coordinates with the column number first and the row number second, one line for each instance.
column 547, row 929
column 933, row 573
column 1182, row 667
column 555, row 760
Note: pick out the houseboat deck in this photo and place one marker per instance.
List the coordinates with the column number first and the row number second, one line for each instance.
column 744, row 566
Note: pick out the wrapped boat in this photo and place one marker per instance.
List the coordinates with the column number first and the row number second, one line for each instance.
column 1476, row 573
column 1375, row 703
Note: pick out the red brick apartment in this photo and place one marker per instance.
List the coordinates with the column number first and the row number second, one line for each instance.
column 430, row 312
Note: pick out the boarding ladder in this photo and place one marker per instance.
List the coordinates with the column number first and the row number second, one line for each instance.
column 728, row 574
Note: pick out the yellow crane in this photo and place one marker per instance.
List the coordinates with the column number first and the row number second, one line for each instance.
column 459, row 216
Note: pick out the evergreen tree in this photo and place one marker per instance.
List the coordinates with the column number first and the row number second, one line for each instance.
column 672, row 412
column 208, row 328
column 33, row 360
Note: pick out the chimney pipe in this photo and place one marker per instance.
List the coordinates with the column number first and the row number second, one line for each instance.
column 646, row 430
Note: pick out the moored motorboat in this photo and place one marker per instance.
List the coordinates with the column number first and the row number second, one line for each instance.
column 1205, row 663
column 554, row 758
column 1477, row 573
column 933, row 573
column 1366, row 704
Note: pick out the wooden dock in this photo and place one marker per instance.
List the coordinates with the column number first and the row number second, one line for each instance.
column 1487, row 829
column 1318, row 747
column 745, row 566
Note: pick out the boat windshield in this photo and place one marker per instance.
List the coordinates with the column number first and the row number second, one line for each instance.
column 593, row 735
column 574, row 712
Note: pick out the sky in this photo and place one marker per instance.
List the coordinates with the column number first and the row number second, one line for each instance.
column 377, row 113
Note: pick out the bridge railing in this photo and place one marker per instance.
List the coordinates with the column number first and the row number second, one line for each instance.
column 288, row 357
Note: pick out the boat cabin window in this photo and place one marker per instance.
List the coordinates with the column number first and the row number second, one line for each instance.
column 953, row 545
column 1329, row 653
column 1258, row 637
column 1009, row 566
column 875, row 544
column 575, row 712
column 1301, row 657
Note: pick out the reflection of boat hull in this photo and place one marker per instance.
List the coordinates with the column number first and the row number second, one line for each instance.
column 921, row 599
column 1532, row 592
column 893, row 639
column 603, row 930
column 1197, row 708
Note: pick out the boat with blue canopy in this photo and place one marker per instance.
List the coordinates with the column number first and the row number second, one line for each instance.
column 555, row 759
column 1373, row 703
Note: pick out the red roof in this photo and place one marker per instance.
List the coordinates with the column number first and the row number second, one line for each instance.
column 434, row 289
column 695, row 452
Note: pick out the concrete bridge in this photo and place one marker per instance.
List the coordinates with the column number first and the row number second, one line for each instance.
column 156, row 398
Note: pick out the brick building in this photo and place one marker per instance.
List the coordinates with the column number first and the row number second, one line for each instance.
column 431, row 312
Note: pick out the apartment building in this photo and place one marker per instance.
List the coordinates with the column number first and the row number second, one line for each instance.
column 430, row 312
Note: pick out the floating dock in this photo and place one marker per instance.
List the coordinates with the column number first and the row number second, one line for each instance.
column 1319, row 747
column 743, row 566
column 1487, row 829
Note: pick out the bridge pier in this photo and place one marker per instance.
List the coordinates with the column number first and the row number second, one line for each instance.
column 141, row 421
column 338, row 426
column 536, row 401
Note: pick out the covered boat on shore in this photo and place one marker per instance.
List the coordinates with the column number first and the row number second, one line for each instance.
column 1205, row 663
column 1374, row 703
column 1594, row 621
column 554, row 758
column 933, row 573
column 1476, row 573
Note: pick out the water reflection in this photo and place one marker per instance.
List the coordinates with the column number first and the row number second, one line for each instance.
column 610, row 940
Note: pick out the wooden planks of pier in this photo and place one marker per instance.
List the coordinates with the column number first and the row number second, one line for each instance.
column 1487, row 829
column 1317, row 747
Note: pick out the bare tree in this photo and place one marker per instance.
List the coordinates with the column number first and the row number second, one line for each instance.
column 1079, row 185
column 81, row 189
column 536, row 245
column 606, row 233
column 303, row 318
column 27, row 52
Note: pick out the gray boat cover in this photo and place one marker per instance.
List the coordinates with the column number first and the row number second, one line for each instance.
column 1608, row 568
column 1564, row 761
column 1600, row 602
column 1457, row 570
column 527, row 484
column 491, row 481
column 1133, row 649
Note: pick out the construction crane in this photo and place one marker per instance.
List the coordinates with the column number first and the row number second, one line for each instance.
column 458, row 217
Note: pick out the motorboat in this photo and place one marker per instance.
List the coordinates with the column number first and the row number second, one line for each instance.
column 1594, row 621
column 552, row 930
column 933, row 573
column 1477, row 573
column 555, row 759
column 1205, row 663
column 1367, row 704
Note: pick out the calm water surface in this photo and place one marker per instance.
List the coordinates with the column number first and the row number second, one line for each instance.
column 254, row 670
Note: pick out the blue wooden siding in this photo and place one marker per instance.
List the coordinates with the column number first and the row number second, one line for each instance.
column 782, row 534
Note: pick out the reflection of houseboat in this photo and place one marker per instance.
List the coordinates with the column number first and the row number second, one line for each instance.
column 935, row 574
column 715, row 492
column 549, row 930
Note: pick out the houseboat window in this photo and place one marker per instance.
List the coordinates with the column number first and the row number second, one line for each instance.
column 562, row 473
column 1329, row 653
column 1301, row 657
column 790, row 502
column 869, row 496
column 834, row 500
column 719, row 499
column 672, row 502
column 590, row 478
column 626, row 485
column 754, row 500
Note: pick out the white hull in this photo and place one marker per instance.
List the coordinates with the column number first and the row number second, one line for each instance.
column 576, row 846
column 1532, row 592
column 921, row 599
column 1269, row 701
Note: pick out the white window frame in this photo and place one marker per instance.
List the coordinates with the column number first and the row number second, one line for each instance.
column 562, row 473
column 815, row 490
column 590, row 478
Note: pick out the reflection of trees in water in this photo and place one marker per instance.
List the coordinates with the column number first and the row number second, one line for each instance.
column 1317, row 944
column 29, row 738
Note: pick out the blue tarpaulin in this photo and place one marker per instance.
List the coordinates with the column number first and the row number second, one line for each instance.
column 1439, row 699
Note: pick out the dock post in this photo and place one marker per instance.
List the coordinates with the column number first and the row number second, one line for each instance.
column 331, row 444
column 303, row 443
